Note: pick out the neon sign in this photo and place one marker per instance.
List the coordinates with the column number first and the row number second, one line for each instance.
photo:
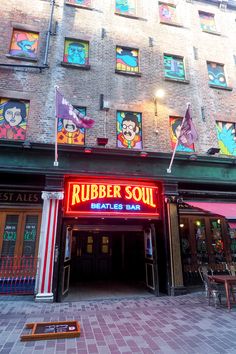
column 111, row 199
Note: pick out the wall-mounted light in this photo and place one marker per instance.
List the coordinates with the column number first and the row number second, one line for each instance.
column 88, row 150
column 192, row 157
column 213, row 151
column 104, row 105
column 159, row 94
column 143, row 154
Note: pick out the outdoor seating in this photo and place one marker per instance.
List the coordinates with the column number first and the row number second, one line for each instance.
column 212, row 290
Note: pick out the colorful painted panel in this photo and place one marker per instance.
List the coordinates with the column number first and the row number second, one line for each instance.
column 127, row 59
column 13, row 119
column 175, row 125
column 24, row 44
column 68, row 133
column 126, row 7
column 174, row 67
column 226, row 135
column 216, row 74
column 85, row 3
column 167, row 13
column 129, row 130
column 207, row 22
column 76, row 52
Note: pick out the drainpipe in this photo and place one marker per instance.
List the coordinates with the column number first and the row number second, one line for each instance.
column 49, row 33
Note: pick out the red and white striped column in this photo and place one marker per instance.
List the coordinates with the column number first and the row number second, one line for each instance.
column 47, row 246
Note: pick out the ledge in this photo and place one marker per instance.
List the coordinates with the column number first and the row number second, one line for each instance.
column 186, row 82
column 212, row 32
column 128, row 73
column 76, row 66
column 20, row 58
column 131, row 16
column 221, row 87
column 175, row 24
column 80, row 6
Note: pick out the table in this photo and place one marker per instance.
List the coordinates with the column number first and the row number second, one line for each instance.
column 228, row 281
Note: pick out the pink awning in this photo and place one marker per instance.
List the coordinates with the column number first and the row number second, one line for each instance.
column 228, row 210
column 232, row 225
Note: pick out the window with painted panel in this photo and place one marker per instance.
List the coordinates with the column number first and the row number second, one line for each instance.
column 216, row 74
column 167, row 13
column 175, row 127
column 207, row 21
column 24, row 44
column 127, row 59
column 174, row 67
column 76, row 52
column 13, row 119
column 68, row 132
column 85, row 3
column 226, row 135
column 129, row 130
column 126, row 7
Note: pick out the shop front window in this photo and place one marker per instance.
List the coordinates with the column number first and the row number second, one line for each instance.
column 232, row 234
column 216, row 240
column 185, row 240
column 200, row 238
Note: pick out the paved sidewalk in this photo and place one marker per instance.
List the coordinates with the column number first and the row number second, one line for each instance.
column 168, row 325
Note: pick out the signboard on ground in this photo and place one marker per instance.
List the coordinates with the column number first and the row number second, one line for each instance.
column 52, row 330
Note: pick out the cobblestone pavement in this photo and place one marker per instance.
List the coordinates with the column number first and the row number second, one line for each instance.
column 168, row 325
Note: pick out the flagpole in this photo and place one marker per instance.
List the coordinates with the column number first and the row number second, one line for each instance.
column 177, row 143
column 56, row 163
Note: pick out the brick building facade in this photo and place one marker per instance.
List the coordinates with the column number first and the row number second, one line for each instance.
column 185, row 48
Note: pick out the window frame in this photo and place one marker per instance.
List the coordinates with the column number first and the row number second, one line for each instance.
column 132, row 73
column 27, row 29
column 72, row 65
column 166, row 78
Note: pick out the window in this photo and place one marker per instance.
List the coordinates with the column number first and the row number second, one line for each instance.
column 226, row 135
column 85, row 3
column 68, row 132
column 216, row 76
column 175, row 125
column 127, row 60
column 174, row 67
column 129, row 130
column 76, row 52
column 207, row 22
column 13, row 119
column 24, row 44
column 167, row 13
column 126, row 7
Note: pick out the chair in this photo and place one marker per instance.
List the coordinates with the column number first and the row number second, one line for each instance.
column 211, row 288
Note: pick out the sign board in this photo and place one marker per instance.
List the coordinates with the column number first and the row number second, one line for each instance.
column 128, row 199
column 20, row 197
column 52, row 330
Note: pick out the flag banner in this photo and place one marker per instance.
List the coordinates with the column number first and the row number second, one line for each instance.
column 188, row 134
column 65, row 110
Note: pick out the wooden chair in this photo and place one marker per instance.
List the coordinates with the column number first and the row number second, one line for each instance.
column 212, row 290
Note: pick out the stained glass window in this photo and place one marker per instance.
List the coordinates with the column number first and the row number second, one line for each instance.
column 174, row 67
column 216, row 75
column 129, row 130
column 85, row 3
column 126, row 7
column 226, row 134
column 76, row 52
column 127, row 59
column 13, row 119
column 68, row 132
column 167, row 13
column 24, row 44
column 207, row 21
column 175, row 125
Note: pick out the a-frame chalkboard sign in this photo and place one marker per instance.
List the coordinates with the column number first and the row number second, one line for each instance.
column 52, row 330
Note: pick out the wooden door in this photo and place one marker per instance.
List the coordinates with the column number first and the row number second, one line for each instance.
column 92, row 253
column 152, row 282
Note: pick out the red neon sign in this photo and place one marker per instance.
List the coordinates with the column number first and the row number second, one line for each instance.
column 111, row 199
